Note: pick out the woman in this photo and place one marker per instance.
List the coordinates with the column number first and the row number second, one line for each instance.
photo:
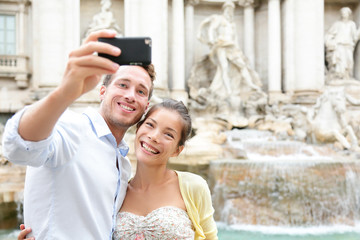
column 161, row 203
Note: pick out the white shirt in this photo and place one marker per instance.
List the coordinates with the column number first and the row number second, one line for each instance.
column 73, row 189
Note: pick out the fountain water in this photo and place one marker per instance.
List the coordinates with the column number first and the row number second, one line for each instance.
column 285, row 185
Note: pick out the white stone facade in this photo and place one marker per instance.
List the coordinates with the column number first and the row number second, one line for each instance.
column 283, row 39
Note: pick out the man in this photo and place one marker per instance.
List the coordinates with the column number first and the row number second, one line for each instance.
column 77, row 175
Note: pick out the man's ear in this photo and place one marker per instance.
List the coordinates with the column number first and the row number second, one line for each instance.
column 178, row 151
column 102, row 92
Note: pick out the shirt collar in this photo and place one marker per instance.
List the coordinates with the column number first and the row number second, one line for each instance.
column 123, row 148
column 101, row 128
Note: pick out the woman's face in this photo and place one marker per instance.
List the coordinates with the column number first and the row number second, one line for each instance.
column 158, row 137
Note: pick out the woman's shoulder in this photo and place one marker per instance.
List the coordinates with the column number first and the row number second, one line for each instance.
column 191, row 179
column 189, row 175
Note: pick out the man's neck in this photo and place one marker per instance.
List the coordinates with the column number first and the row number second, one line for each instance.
column 118, row 134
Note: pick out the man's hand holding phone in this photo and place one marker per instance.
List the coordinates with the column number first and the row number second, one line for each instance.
column 83, row 72
column 84, row 69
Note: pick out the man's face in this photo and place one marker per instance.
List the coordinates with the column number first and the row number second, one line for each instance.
column 125, row 99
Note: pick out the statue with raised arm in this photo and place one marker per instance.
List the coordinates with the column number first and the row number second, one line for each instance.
column 219, row 32
column 340, row 42
column 224, row 78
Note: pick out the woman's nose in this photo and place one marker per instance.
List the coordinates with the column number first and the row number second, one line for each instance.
column 154, row 135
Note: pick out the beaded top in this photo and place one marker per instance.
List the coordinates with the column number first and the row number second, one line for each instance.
column 162, row 223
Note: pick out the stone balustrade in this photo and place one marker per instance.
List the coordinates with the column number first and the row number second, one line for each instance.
column 15, row 66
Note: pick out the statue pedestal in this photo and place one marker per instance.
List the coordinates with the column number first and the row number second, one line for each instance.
column 343, row 82
column 276, row 97
column 305, row 97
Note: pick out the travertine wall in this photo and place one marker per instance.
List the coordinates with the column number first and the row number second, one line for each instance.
column 57, row 27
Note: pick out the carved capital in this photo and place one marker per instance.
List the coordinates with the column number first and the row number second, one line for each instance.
column 192, row 2
column 248, row 3
column 23, row 6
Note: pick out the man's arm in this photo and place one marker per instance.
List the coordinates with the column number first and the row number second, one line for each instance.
column 83, row 72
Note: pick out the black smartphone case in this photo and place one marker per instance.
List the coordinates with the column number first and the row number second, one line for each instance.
column 134, row 50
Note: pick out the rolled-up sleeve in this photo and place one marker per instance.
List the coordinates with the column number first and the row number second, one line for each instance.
column 19, row 151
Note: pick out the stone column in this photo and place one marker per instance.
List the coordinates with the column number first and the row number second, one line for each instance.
column 21, row 78
column 178, row 51
column 289, row 39
column 274, row 46
column 249, row 29
column 150, row 18
column 357, row 49
column 189, row 36
column 22, row 29
column 61, row 21
column 309, row 46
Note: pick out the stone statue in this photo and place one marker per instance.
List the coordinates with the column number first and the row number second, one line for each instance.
column 327, row 119
column 219, row 32
column 224, row 78
column 103, row 20
column 340, row 41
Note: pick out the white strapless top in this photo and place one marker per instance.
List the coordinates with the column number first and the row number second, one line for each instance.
column 162, row 223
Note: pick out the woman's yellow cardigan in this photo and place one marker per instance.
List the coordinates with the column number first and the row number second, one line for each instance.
column 197, row 198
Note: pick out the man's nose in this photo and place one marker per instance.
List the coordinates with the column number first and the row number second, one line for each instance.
column 130, row 95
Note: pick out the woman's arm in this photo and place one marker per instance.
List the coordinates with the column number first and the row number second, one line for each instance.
column 206, row 213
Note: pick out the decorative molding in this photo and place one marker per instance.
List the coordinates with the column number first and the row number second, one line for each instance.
column 248, row 3
column 192, row 2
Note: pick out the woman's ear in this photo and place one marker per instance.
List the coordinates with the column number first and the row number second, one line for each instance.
column 178, row 151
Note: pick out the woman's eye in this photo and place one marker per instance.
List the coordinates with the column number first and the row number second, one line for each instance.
column 149, row 124
column 169, row 135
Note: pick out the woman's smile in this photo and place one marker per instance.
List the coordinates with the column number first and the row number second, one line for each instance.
column 149, row 148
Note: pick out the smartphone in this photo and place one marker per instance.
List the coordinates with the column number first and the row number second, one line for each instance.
column 134, row 50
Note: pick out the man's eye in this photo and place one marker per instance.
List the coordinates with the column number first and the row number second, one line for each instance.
column 122, row 85
column 142, row 92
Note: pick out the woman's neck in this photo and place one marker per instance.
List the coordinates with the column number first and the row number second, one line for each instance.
column 147, row 177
